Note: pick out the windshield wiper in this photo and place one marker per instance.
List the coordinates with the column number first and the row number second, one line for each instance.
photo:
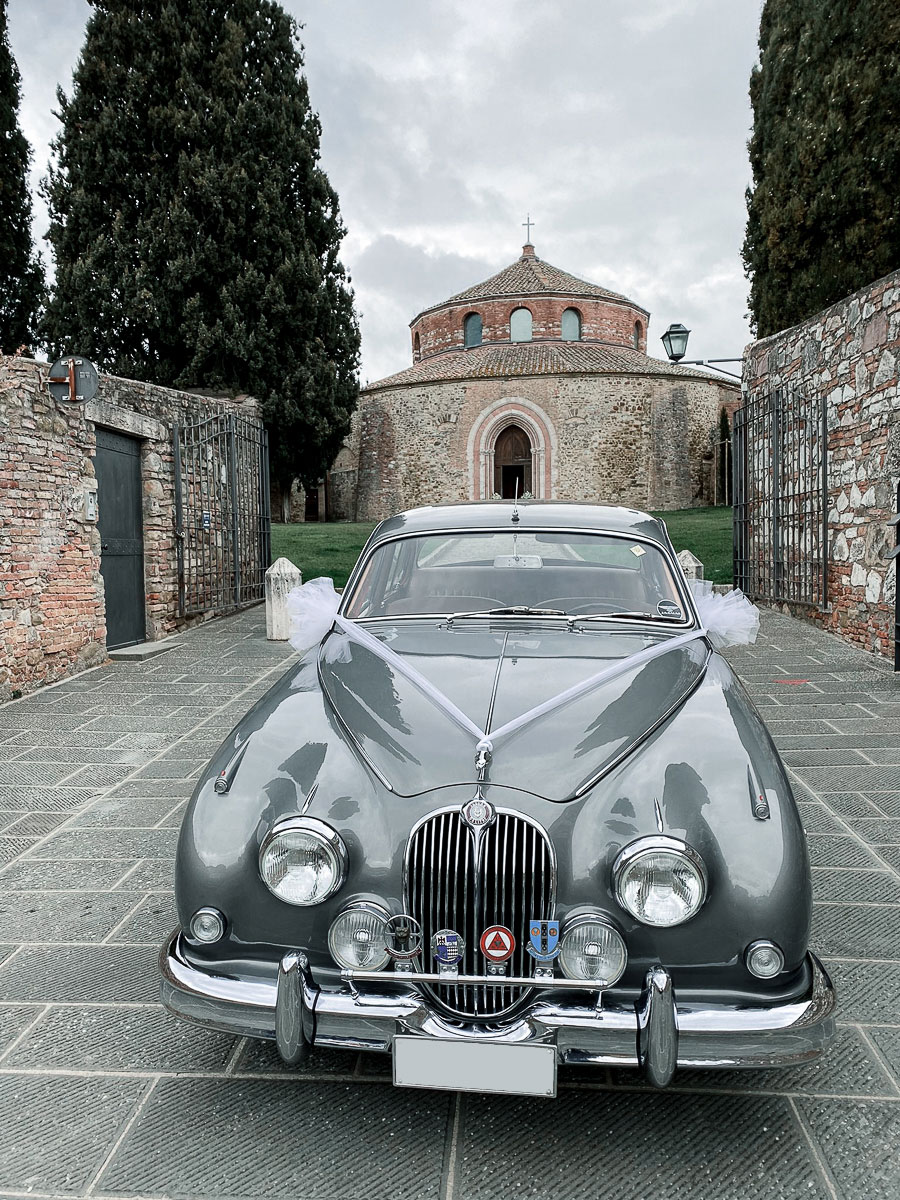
column 515, row 610
column 619, row 616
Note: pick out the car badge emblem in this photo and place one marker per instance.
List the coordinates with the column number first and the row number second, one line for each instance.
column 478, row 813
column 403, row 937
column 543, row 940
column 497, row 943
column 447, row 947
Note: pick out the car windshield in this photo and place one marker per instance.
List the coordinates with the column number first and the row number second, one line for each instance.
column 576, row 574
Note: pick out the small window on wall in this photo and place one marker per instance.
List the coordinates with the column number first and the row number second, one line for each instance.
column 472, row 330
column 638, row 334
column 520, row 325
column 571, row 325
column 417, row 348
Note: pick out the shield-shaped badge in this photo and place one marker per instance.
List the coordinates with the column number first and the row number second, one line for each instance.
column 543, row 940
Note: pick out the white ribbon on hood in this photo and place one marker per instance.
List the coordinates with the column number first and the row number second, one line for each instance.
column 314, row 611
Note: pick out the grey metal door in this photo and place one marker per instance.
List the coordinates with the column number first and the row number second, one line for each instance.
column 118, row 467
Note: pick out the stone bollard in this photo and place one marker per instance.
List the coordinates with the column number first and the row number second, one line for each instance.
column 281, row 579
column 690, row 564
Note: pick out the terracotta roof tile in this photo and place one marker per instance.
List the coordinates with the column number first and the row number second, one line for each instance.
column 530, row 276
column 497, row 360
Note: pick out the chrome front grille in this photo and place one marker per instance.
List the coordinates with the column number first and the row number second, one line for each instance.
column 512, row 884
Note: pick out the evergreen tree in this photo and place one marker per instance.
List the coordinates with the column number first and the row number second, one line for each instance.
column 196, row 236
column 824, row 210
column 21, row 276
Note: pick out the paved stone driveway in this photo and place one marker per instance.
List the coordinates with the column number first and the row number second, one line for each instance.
column 101, row 1094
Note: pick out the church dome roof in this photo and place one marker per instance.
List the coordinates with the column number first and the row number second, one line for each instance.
column 505, row 360
column 531, row 276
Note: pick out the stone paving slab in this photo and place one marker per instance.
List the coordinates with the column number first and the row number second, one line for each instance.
column 102, row 1093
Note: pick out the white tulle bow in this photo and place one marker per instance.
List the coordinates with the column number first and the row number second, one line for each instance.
column 729, row 619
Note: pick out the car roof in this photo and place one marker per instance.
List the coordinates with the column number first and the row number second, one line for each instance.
column 533, row 514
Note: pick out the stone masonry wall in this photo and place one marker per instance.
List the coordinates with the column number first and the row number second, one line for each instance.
column 618, row 439
column 849, row 354
column 52, row 607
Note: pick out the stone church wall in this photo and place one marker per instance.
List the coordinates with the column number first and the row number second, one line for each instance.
column 849, row 354
column 52, row 607
column 634, row 440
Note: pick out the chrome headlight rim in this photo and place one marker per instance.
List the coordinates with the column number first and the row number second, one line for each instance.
column 327, row 837
column 577, row 920
column 655, row 844
column 374, row 909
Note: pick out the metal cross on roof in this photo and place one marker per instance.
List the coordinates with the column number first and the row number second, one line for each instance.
column 528, row 224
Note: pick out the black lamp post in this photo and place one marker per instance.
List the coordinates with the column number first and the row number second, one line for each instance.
column 675, row 340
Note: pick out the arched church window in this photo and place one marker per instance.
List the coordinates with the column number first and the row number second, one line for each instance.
column 520, row 325
column 571, row 325
column 638, row 334
column 417, row 348
column 472, row 330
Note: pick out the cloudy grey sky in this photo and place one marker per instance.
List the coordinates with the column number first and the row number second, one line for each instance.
column 621, row 127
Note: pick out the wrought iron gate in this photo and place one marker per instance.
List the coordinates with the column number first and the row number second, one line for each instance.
column 780, row 449
column 222, row 515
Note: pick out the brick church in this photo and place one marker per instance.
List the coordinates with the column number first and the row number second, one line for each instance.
column 535, row 381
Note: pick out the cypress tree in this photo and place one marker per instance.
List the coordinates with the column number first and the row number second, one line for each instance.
column 21, row 276
column 195, row 234
column 824, row 209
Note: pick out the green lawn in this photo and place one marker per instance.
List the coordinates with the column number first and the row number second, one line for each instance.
column 332, row 549
column 326, row 549
column 707, row 533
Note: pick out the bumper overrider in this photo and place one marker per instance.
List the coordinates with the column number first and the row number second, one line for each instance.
column 372, row 1007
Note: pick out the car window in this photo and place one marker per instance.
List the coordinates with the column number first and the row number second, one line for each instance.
column 577, row 573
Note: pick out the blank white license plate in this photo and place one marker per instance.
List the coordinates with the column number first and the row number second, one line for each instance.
column 475, row 1066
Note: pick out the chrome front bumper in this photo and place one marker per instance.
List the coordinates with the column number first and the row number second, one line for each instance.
column 656, row 1034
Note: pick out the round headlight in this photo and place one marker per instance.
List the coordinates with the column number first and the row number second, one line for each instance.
column 302, row 860
column 764, row 959
column 358, row 938
column 592, row 949
column 660, row 881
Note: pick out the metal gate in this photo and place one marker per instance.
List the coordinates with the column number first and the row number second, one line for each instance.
column 222, row 515
column 780, row 455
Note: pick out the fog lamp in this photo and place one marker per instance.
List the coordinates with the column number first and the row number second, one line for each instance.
column 358, row 938
column 764, row 959
column 660, row 881
column 592, row 949
column 206, row 925
column 302, row 860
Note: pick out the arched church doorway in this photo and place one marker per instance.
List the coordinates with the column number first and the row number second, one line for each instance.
column 512, row 463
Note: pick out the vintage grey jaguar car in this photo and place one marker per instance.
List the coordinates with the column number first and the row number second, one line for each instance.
column 511, row 810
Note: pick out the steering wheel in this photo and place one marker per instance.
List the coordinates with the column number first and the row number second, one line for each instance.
column 576, row 604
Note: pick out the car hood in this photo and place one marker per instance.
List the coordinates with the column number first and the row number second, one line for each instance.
column 493, row 675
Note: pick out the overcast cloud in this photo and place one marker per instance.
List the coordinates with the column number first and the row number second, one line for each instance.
column 621, row 129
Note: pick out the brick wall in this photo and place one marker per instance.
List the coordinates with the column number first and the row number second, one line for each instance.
column 601, row 321
column 849, row 355
column 52, row 607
